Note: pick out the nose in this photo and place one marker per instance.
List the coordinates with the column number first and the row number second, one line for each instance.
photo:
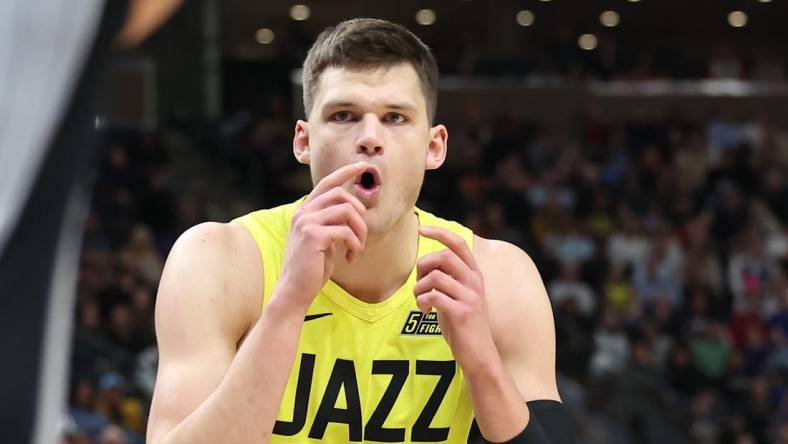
column 370, row 141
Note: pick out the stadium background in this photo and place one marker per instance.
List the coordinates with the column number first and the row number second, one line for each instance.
column 638, row 151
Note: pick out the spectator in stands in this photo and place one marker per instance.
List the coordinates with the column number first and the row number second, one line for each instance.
column 710, row 352
column 141, row 256
column 121, row 409
column 750, row 272
column 83, row 410
column 628, row 246
column 658, row 274
column 611, row 346
column 568, row 286
column 113, row 435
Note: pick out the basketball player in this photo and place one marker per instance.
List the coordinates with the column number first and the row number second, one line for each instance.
column 351, row 315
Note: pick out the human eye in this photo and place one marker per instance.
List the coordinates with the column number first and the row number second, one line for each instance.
column 341, row 116
column 395, row 118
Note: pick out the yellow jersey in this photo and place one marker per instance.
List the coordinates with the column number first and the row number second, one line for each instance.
column 366, row 372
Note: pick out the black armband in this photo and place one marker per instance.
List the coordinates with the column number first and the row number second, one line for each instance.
column 549, row 424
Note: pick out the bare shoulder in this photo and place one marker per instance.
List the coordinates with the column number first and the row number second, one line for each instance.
column 207, row 300
column 492, row 249
column 214, row 264
column 521, row 316
column 507, row 267
column 512, row 282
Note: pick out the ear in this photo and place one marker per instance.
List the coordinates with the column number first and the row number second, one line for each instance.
column 438, row 144
column 301, row 142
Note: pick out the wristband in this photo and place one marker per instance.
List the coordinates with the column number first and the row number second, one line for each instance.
column 549, row 424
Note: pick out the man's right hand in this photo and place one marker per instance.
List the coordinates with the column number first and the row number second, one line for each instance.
column 209, row 299
column 331, row 220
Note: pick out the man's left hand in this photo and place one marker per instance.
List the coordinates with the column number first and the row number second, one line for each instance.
column 450, row 281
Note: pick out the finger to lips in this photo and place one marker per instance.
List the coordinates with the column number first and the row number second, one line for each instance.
column 343, row 214
column 452, row 241
column 335, row 196
column 338, row 177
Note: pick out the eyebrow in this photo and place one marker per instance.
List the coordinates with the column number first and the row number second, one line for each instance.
column 404, row 106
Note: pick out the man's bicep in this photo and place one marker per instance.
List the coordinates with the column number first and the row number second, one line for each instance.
column 183, row 382
column 522, row 321
column 200, row 318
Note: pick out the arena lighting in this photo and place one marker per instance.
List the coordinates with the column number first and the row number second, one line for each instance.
column 609, row 19
column 634, row 1
column 299, row 12
column 525, row 18
column 587, row 41
column 425, row 17
column 264, row 36
column 737, row 19
column 765, row 1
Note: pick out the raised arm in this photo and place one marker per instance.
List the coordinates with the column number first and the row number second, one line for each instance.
column 208, row 299
column 495, row 315
column 223, row 370
column 524, row 333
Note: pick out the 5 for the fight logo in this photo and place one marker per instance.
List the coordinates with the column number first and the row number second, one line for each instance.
column 419, row 323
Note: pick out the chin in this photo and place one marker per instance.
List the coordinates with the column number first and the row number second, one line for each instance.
column 375, row 224
column 381, row 221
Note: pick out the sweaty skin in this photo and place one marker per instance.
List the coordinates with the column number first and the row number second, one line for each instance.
column 224, row 365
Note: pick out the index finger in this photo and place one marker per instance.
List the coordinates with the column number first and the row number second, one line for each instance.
column 338, row 177
column 454, row 242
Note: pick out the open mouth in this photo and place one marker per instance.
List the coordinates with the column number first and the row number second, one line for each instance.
column 369, row 179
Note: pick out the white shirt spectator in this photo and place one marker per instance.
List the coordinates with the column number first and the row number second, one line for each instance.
column 572, row 248
column 579, row 292
column 611, row 353
column 627, row 249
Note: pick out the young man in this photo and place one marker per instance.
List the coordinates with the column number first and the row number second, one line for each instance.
column 369, row 319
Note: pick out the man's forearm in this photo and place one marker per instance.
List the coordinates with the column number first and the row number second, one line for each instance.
column 244, row 406
column 504, row 417
column 498, row 406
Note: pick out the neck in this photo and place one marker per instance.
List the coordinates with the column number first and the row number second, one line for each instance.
column 384, row 265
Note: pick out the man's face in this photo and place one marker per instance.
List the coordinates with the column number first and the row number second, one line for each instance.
column 378, row 116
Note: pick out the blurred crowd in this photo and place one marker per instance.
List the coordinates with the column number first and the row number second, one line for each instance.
column 664, row 249
column 137, row 212
column 663, row 246
column 557, row 55
column 612, row 59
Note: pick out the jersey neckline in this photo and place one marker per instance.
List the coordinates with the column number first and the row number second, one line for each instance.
column 372, row 312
